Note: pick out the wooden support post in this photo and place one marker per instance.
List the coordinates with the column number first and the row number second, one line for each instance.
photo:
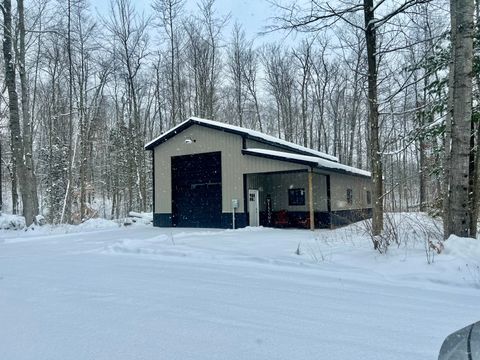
column 310, row 199
column 329, row 203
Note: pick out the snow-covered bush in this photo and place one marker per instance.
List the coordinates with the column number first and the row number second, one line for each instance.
column 40, row 220
column 408, row 229
column 390, row 234
column 138, row 218
column 11, row 222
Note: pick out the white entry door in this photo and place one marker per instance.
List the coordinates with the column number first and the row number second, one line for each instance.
column 253, row 207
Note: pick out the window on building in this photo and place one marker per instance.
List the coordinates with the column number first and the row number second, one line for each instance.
column 296, row 197
column 349, row 196
column 369, row 198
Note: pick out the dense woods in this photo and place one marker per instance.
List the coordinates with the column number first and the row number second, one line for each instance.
column 372, row 83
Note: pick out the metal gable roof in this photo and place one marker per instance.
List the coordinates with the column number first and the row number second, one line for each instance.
column 247, row 133
column 307, row 160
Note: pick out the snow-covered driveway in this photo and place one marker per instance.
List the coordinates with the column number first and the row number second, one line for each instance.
column 149, row 293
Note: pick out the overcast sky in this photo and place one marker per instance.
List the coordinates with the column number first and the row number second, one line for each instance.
column 253, row 15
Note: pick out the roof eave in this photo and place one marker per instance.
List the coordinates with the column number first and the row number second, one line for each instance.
column 191, row 121
column 312, row 164
column 169, row 134
column 341, row 171
column 280, row 158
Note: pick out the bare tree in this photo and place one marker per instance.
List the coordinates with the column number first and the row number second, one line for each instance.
column 168, row 12
column 236, row 65
column 303, row 55
column 320, row 16
column 321, row 70
column 460, row 95
column 25, row 167
column 250, row 75
column 130, row 35
column 203, row 47
column 280, row 81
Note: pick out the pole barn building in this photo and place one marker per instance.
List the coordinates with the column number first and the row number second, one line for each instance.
column 210, row 174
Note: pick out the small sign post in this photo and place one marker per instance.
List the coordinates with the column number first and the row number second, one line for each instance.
column 234, row 206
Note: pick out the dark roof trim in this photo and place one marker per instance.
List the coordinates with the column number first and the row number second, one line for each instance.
column 169, row 134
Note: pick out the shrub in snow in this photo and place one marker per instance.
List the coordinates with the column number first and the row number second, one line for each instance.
column 138, row 218
column 141, row 215
column 40, row 220
column 315, row 251
column 12, row 222
column 389, row 235
column 407, row 229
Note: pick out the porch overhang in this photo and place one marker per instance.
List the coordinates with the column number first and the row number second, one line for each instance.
column 279, row 156
column 312, row 161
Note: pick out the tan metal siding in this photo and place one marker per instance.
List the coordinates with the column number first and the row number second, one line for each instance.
column 277, row 186
column 300, row 180
column 320, row 192
column 252, row 144
column 261, row 183
column 234, row 164
column 281, row 184
column 254, row 164
column 339, row 184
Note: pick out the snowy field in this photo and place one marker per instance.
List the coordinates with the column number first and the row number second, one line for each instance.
column 100, row 291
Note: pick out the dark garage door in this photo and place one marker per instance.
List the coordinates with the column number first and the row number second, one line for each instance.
column 197, row 190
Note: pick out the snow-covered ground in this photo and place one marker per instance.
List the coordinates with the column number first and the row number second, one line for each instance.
column 100, row 291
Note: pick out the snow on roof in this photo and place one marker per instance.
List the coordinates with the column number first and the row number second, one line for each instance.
column 322, row 163
column 252, row 133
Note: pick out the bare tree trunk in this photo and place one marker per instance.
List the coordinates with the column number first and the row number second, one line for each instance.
column 83, row 125
column 13, row 180
column 168, row 12
column 30, row 204
column 355, row 109
column 66, row 211
column 172, row 66
column 30, row 180
column 473, row 180
column 250, row 70
column 475, row 193
column 422, row 142
column 376, row 159
column 475, row 161
column 83, row 170
column 459, row 220
column 236, row 62
column 447, row 141
column 303, row 57
column 1, row 180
